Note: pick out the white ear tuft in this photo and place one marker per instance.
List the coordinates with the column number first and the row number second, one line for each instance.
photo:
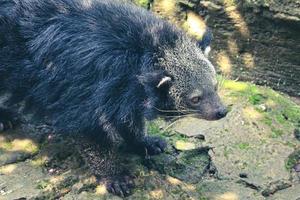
column 207, row 50
column 163, row 81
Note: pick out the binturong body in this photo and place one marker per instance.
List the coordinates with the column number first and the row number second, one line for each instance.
column 103, row 67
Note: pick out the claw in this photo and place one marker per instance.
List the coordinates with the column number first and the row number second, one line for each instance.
column 1, row 127
column 121, row 187
column 5, row 126
column 154, row 145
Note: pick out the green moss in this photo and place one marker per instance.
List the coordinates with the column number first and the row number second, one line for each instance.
column 279, row 113
column 67, row 182
column 276, row 132
column 280, row 118
column 243, row 146
column 233, row 85
column 203, row 198
column 226, row 152
column 263, row 141
column 256, row 99
column 292, row 160
column 290, row 144
column 155, row 128
column 143, row 3
column 284, row 107
column 7, row 146
column 43, row 184
column 267, row 120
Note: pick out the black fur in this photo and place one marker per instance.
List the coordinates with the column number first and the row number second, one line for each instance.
column 206, row 39
column 101, row 67
column 94, row 66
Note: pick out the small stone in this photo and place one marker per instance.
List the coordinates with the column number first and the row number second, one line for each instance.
column 243, row 175
column 262, row 107
column 297, row 134
column 297, row 167
column 200, row 137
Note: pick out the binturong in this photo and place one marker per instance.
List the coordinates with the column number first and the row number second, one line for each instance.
column 103, row 67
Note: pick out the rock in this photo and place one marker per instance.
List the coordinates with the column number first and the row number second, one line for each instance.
column 189, row 166
column 289, row 193
column 275, row 186
column 244, row 147
column 297, row 134
column 243, row 175
column 262, row 107
column 297, row 167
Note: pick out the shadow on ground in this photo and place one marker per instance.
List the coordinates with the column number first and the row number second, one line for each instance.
column 251, row 154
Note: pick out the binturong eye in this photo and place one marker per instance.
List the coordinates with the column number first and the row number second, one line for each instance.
column 195, row 99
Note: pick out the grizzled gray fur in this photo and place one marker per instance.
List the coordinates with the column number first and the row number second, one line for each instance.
column 102, row 67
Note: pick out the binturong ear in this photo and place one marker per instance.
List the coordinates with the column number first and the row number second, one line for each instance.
column 204, row 43
column 156, row 79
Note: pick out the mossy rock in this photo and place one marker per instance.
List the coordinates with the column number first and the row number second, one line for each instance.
column 188, row 166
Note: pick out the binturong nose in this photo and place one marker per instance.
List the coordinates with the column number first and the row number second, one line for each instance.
column 222, row 112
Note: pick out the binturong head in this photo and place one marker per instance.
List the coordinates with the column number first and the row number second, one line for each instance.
column 188, row 83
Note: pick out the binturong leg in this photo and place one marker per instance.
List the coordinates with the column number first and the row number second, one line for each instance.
column 7, row 119
column 141, row 143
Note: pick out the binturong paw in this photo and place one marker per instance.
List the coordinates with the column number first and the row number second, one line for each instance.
column 154, row 145
column 6, row 125
column 8, row 119
column 121, row 186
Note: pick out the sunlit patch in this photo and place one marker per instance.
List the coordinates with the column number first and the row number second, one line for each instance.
column 101, row 190
column 142, row 3
column 270, row 103
column 235, row 86
column 248, row 60
column 157, row 194
column 251, row 113
column 234, row 14
column 224, row 63
column 173, row 181
column 195, row 25
column 189, row 187
column 41, row 161
column 90, row 180
column 25, row 145
column 232, row 47
column 56, row 179
column 228, row 196
column 8, row 169
column 184, row 146
column 168, row 7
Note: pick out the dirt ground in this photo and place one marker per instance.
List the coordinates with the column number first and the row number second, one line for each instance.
column 254, row 153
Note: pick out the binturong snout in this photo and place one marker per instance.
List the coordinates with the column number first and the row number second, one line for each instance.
column 212, row 108
column 222, row 112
